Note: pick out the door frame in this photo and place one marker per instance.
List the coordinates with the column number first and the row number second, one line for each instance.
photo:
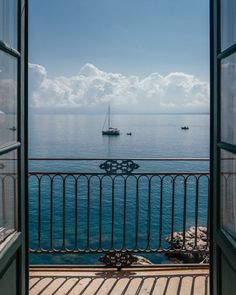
column 16, row 248
column 219, row 239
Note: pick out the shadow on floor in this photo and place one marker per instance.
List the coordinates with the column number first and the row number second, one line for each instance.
column 123, row 282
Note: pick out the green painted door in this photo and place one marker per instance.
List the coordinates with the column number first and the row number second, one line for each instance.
column 223, row 91
column 13, row 253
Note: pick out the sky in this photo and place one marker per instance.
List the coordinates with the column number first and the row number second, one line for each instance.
column 139, row 55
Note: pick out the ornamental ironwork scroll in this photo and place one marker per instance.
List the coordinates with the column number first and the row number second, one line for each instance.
column 118, row 259
column 119, row 166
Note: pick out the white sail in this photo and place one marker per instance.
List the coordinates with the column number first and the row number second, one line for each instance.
column 110, row 130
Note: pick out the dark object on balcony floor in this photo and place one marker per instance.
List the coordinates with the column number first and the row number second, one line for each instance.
column 196, row 238
column 118, row 259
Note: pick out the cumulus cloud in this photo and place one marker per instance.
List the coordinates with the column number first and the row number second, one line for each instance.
column 92, row 89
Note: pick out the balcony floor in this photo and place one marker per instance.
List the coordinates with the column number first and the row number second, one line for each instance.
column 160, row 280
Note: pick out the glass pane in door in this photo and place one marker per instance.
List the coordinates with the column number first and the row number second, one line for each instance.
column 8, row 99
column 228, row 23
column 8, row 194
column 228, row 99
column 8, row 22
column 228, row 192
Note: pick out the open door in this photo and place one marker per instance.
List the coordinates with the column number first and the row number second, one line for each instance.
column 223, row 91
column 13, row 140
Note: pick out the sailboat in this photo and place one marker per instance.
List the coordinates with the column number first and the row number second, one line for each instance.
column 111, row 131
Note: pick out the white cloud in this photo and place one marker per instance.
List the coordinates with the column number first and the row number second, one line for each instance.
column 92, row 89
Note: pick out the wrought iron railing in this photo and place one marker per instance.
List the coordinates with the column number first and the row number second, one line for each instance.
column 118, row 209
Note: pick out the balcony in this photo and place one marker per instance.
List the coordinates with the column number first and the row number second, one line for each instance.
column 119, row 226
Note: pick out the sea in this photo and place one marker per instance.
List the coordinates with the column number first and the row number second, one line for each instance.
column 80, row 136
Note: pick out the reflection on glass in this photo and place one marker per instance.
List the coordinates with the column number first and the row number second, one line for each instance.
column 8, row 99
column 228, row 99
column 228, row 192
column 8, row 22
column 228, row 23
column 8, row 192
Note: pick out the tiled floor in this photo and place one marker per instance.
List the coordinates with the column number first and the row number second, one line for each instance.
column 162, row 280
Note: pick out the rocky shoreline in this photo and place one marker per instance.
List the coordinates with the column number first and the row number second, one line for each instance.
column 195, row 239
column 191, row 247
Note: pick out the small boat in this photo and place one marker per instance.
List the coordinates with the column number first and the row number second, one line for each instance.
column 129, row 133
column 110, row 131
column 13, row 128
column 185, row 128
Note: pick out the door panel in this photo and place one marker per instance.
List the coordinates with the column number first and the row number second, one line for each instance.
column 227, row 277
column 8, row 281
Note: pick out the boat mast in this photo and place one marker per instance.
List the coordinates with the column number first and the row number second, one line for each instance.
column 109, row 120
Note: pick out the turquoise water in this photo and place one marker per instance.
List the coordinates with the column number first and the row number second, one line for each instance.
column 80, row 136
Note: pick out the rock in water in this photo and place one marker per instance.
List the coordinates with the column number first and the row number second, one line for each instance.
column 142, row 261
column 193, row 239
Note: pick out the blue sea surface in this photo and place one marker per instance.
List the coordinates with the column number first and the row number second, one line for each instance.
column 153, row 135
